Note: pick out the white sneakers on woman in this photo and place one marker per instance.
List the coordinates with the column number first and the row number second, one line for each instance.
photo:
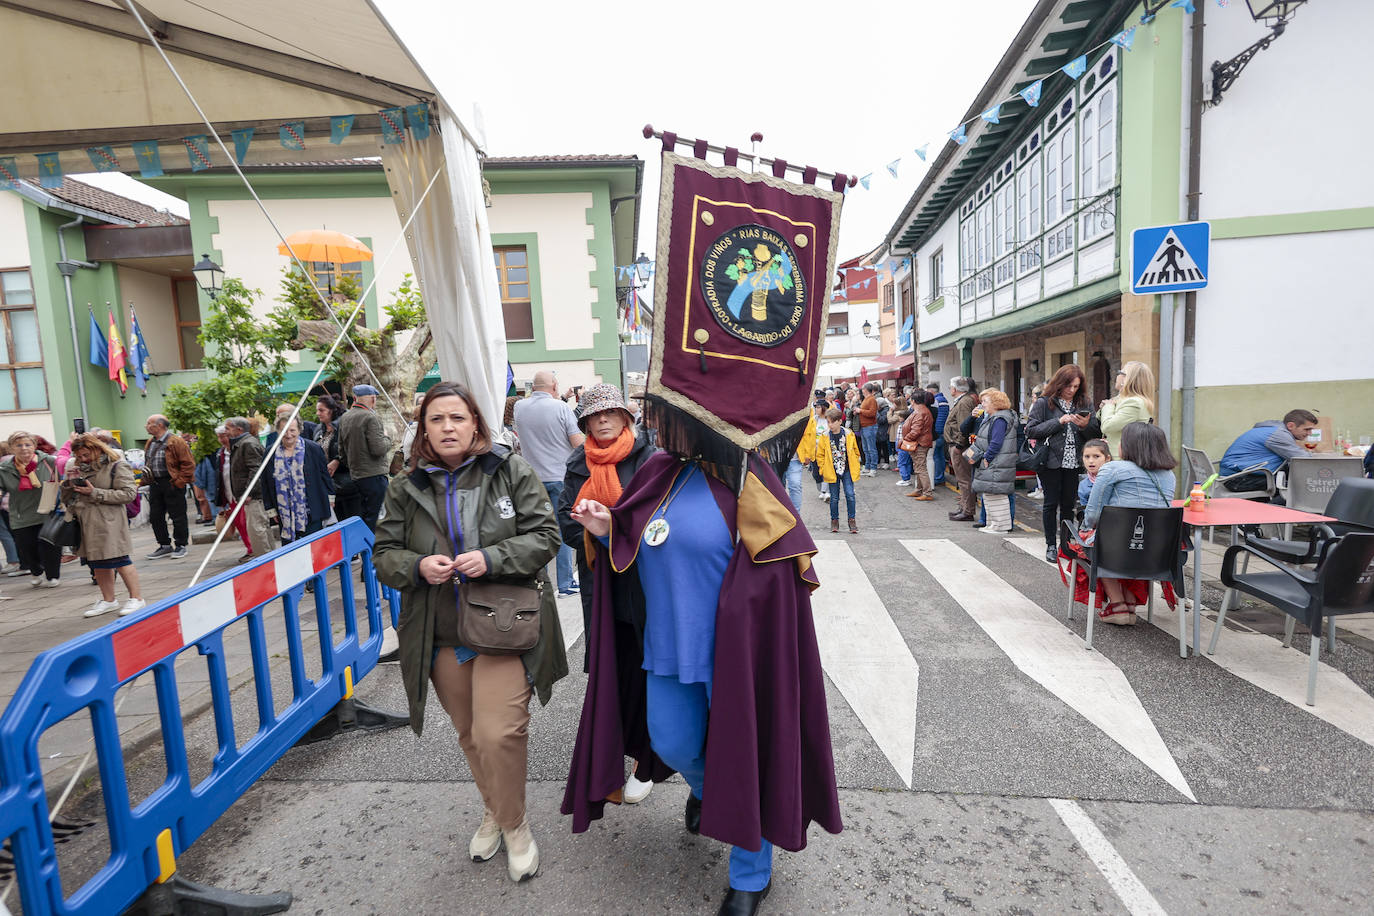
column 133, row 604
column 487, row 840
column 102, row 607
column 522, row 855
column 636, row 791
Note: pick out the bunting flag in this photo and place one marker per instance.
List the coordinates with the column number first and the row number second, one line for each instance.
column 992, row 114
column 921, row 150
column 138, row 352
column 242, row 138
column 292, row 135
column 9, row 173
column 118, row 357
column 149, row 158
column 197, row 151
column 49, row 170
column 866, row 180
column 1125, row 39
column 1076, row 67
column 417, row 120
column 1185, row 5
column 892, row 167
column 393, row 125
column 1031, row 94
column 340, row 127
column 960, row 134
column 1147, row 18
column 103, row 158
column 98, row 350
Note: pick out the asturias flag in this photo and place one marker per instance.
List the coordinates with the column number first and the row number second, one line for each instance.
column 99, row 350
column 118, row 357
column 138, row 352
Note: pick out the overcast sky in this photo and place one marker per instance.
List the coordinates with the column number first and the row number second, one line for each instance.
column 844, row 86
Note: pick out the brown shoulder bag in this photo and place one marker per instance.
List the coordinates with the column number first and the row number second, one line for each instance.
column 497, row 619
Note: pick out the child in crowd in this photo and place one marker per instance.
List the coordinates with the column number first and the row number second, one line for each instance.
column 1096, row 453
column 837, row 457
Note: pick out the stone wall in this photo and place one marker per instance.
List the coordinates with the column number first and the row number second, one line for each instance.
column 1101, row 330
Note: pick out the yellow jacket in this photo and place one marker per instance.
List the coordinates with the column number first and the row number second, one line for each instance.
column 825, row 461
column 806, row 448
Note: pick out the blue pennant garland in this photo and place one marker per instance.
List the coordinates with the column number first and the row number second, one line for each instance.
column 921, row 150
column 1076, row 67
column 866, row 180
column 892, row 167
column 1125, row 39
column 243, row 138
column 959, row 135
column 1031, row 93
column 417, row 120
column 393, row 125
column 340, row 126
column 992, row 114
column 292, row 135
column 1185, row 5
column 49, row 170
column 9, row 173
column 149, row 158
column 197, row 151
column 103, row 158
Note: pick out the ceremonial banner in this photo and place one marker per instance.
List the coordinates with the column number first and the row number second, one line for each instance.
column 740, row 304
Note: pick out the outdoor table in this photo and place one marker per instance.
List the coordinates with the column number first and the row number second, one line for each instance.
column 1224, row 513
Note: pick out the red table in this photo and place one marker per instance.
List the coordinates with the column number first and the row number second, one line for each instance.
column 1223, row 513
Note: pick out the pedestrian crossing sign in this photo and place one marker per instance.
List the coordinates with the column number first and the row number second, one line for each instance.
column 1170, row 259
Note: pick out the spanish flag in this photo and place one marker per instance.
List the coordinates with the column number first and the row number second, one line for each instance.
column 117, row 357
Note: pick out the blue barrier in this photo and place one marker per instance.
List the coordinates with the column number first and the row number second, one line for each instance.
column 85, row 673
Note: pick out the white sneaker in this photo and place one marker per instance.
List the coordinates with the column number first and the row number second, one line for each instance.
column 522, row 854
column 823, row 497
column 903, row 483
column 35, row 581
column 51, row 583
column 133, row 604
column 102, row 607
column 636, row 791
column 14, row 569
column 1036, row 494
column 990, row 530
column 487, row 840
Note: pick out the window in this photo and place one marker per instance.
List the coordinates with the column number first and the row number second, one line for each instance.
column 837, row 324
column 984, row 235
column 186, row 311
column 1088, row 159
column 327, row 274
column 22, row 385
column 1059, row 176
column 513, row 273
column 1006, row 220
column 967, row 255
column 1106, row 139
column 937, row 271
column 1066, row 171
column 887, row 298
column 1051, row 183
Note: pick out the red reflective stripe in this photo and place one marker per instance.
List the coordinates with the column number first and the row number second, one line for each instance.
column 326, row 551
column 254, row 587
column 146, row 642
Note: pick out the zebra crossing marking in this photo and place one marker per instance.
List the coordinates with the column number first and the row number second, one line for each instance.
column 876, row 675
column 1045, row 651
column 1130, row 890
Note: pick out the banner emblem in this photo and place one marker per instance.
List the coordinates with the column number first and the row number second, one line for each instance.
column 753, row 285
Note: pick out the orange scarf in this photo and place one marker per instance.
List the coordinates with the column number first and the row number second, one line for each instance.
column 604, row 484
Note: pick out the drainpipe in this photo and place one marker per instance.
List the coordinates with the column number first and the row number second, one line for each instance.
column 1186, row 422
column 69, row 267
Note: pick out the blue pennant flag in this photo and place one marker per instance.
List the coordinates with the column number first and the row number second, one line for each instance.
column 960, row 134
column 866, row 181
column 1147, row 18
column 892, row 167
column 149, row 159
column 242, row 138
column 1031, row 93
column 393, row 125
column 1076, row 67
column 138, row 351
column 340, row 127
column 1125, row 39
column 417, row 119
column 292, row 135
column 197, row 151
column 49, row 170
column 1185, row 5
column 99, row 350
column 9, row 174
column 992, row 114
column 103, row 158
column 920, row 151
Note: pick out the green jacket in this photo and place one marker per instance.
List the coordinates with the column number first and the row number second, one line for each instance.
column 24, row 503
column 517, row 532
column 363, row 443
column 1117, row 415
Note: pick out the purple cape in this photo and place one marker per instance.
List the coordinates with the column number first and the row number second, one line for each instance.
column 769, row 767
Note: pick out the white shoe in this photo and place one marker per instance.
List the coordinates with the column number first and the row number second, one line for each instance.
column 823, row 497
column 1036, row 494
column 35, row 581
column 522, row 854
column 636, row 791
column 990, row 530
column 487, row 840
column 51, row 583
column 133, row 604
column 14, row 569
column 903, row 483
column 102, row 607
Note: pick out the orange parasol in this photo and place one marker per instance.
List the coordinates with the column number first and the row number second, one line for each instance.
column 325, row 245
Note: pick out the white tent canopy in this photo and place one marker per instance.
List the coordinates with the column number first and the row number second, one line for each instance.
column 90, row 77
column 849, row 367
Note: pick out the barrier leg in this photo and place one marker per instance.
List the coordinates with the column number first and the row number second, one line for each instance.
column 350, row 715
column 178, row 895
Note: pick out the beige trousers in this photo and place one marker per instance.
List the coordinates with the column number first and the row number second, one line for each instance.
column 259, row 531
column 963, row 474
column 488, row 700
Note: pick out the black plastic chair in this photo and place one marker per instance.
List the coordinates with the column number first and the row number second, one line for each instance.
column 1132, row 544
column 1342, row 583
column 1352, row 505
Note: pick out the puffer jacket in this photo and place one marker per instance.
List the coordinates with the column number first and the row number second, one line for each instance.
column 919, row 427
column 995, row 474
column 516, row 532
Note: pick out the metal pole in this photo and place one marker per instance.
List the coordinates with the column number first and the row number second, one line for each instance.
column 1164, row 410
column 68, row 268
column 1187, row 432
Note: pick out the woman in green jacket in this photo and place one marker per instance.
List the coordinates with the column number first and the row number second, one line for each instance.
column 23, row 474
column 1135, row 401
column 470, row 509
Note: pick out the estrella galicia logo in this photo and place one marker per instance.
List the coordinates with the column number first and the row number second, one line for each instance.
column 753, row 286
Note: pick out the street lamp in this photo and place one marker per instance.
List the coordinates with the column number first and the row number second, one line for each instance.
column 1272, row 9
column 1224, row 74
column 643, row 266
column 867, row 330
column 209, row 276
